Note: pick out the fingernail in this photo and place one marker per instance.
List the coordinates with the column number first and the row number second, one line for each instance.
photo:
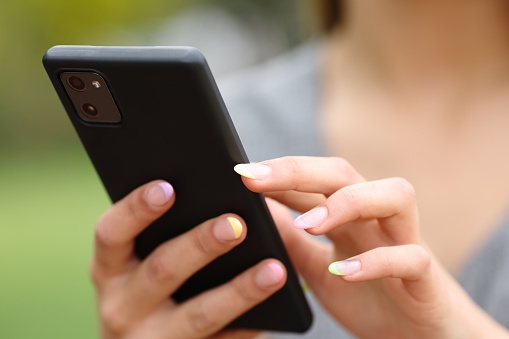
column 160, row 194
column 269, row 275
column 345, row 267
column 313, row 218
column 253, row 171
column 228, row 229
column 305, row 287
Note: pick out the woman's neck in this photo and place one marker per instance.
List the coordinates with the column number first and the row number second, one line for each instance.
column 411, row 44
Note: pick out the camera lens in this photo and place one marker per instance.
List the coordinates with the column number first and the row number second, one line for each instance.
column 76, row 83
column 89, row 110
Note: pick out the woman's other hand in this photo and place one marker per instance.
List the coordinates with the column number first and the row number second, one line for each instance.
column 384, row 281
column 133, row 295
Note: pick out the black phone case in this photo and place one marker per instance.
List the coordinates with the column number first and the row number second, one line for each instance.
column 175, row 127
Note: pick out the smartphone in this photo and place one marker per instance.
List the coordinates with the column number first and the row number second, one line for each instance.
column 145, row 113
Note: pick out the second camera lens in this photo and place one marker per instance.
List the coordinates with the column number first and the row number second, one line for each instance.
column 89, row 110
column 76, row 83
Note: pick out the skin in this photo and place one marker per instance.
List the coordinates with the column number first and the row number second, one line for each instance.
column 392, row 78
column 401, row 291
column 133, row 296
column 404, row 287
column 420, row 89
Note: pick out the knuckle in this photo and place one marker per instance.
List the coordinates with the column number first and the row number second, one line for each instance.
column 346, row 169
column 137, row 209
column 342, row 166
column 293, row 170
column 422, row 258
column 246, row 295
column 112, row 318
column 351, row 202
column 203, row 243
column 405, row 188
column 95, row 272
column 385, row 259
column 201, row 319
column 159, row 270
column 348, row 196
column 103, row 234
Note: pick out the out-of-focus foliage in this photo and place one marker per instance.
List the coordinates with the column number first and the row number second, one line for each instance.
column 48, row 207
column 28, row 117
column 50, row 196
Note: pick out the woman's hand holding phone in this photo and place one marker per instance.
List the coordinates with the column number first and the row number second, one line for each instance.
column 389, row 284
column 133, row 294
column 125, row 129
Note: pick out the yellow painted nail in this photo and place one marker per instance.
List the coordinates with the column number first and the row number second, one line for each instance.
column 236, row 226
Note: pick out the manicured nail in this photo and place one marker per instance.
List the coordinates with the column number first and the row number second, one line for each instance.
column 269, row 275
column 228, row 229
column 236, row 226
column 253, row 171
column 305, row 287
column 313, row 218
column 160, row 194
column 345, row 267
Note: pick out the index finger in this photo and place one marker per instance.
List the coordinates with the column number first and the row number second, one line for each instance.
column 302, row 174
column 120, row 224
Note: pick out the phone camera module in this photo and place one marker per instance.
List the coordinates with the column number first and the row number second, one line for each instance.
column 89, row 110
column 90, row 97
column 76, row 83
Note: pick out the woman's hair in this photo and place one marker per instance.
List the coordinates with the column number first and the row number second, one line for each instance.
column 328, row 13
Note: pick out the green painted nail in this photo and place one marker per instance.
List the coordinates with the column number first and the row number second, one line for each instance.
column 333, row 269
column 345, row 267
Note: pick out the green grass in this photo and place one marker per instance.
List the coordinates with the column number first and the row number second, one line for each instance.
column 48, row 207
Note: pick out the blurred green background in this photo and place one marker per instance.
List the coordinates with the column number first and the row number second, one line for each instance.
column 50, row 195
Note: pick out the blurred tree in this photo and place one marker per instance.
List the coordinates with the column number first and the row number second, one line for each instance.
column 49, row 202
column 30, row 114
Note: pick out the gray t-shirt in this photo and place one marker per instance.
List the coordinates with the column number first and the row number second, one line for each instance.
column 274, row 106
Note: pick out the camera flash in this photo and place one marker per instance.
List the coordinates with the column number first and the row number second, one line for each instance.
column 96, row 84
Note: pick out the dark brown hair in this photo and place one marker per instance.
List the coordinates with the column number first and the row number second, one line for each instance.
column 328, row 14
